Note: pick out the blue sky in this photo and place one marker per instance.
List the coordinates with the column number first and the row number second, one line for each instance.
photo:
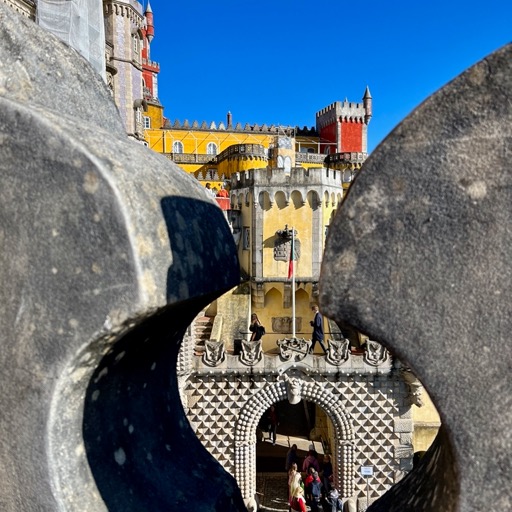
column 280, row 61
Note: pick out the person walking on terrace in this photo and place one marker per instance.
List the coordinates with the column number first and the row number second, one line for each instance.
column 318, row 330
column 256, row 328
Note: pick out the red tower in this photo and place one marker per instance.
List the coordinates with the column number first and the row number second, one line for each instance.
column 343, row 126
column 150, row 69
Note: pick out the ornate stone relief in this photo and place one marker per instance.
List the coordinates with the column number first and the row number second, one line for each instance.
column 282, row 248
column 415, row 386
column 338, row 351
column 214, row 353
column 283, row 244
column 294, row 349
column 251, row 352
column 225, row 412
column 293, row 389
column 283, row 324
column 375, row 354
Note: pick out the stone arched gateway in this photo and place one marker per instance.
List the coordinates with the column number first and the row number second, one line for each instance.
column 251, row 412
column 365, row 396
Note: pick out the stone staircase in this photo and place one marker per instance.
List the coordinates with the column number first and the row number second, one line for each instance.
column 202, row 330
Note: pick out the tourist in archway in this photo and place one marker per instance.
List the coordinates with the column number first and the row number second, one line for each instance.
column 313, row 487
column 327, row 473
column 294, row 480
column 333, row 500
column 310, row 462
column 291, row 457
column 298, row 503
column 273, row 422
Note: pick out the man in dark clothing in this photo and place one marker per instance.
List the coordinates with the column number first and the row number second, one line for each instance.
column 291, row 457
column 318, row 330
column 273, row 422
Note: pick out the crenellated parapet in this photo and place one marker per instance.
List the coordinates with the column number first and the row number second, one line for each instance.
column 341, row 111
column 270, row 178
column 155, row 66
column 129, row 10
column 272, row 129
column 306, row 132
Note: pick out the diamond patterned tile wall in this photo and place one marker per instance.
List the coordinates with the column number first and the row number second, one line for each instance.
column 369, row 413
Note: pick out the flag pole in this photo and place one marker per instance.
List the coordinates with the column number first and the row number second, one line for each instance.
column 292, row 256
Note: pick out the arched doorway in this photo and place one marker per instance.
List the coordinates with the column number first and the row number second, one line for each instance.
column 296, row 421
column 253, row 410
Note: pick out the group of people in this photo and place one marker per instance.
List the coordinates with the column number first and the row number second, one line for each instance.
column 313, row 487
column 317, row 323
column 216, row 192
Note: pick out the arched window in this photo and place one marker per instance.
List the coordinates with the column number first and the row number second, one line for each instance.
column 155, row 85
column 136, row 46
column 287, row 165
column 177, row 147
column 211, row 149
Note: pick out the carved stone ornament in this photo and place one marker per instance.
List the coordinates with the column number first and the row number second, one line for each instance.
column 214, row 353
column 251, row 352
column 294, row 349
column 338, row 351
column 283, row 247
column 374, row 354
column 284, row 324
column 415, row 386
column 293, row 389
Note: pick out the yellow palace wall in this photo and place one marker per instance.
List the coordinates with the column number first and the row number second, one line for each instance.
column 274, row 293
column 195, row 140
column 275, row 217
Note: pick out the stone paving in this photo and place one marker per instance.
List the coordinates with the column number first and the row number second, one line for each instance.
column 272, row 489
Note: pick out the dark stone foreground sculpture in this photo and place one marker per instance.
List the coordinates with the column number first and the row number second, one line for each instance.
column 107, row 253
column 420, row 258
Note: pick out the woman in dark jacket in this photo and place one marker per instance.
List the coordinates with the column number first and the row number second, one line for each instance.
column 256, row 328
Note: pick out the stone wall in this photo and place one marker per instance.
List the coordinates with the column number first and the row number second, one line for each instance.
column 369, row 407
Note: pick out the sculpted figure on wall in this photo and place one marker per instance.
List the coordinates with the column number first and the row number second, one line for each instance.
column 293, row 389
column 374, row 353
column 251, row 352
column 283, row 324
column 415, row 386
column 338, row 351
column 214, row 353
column 294, row 349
